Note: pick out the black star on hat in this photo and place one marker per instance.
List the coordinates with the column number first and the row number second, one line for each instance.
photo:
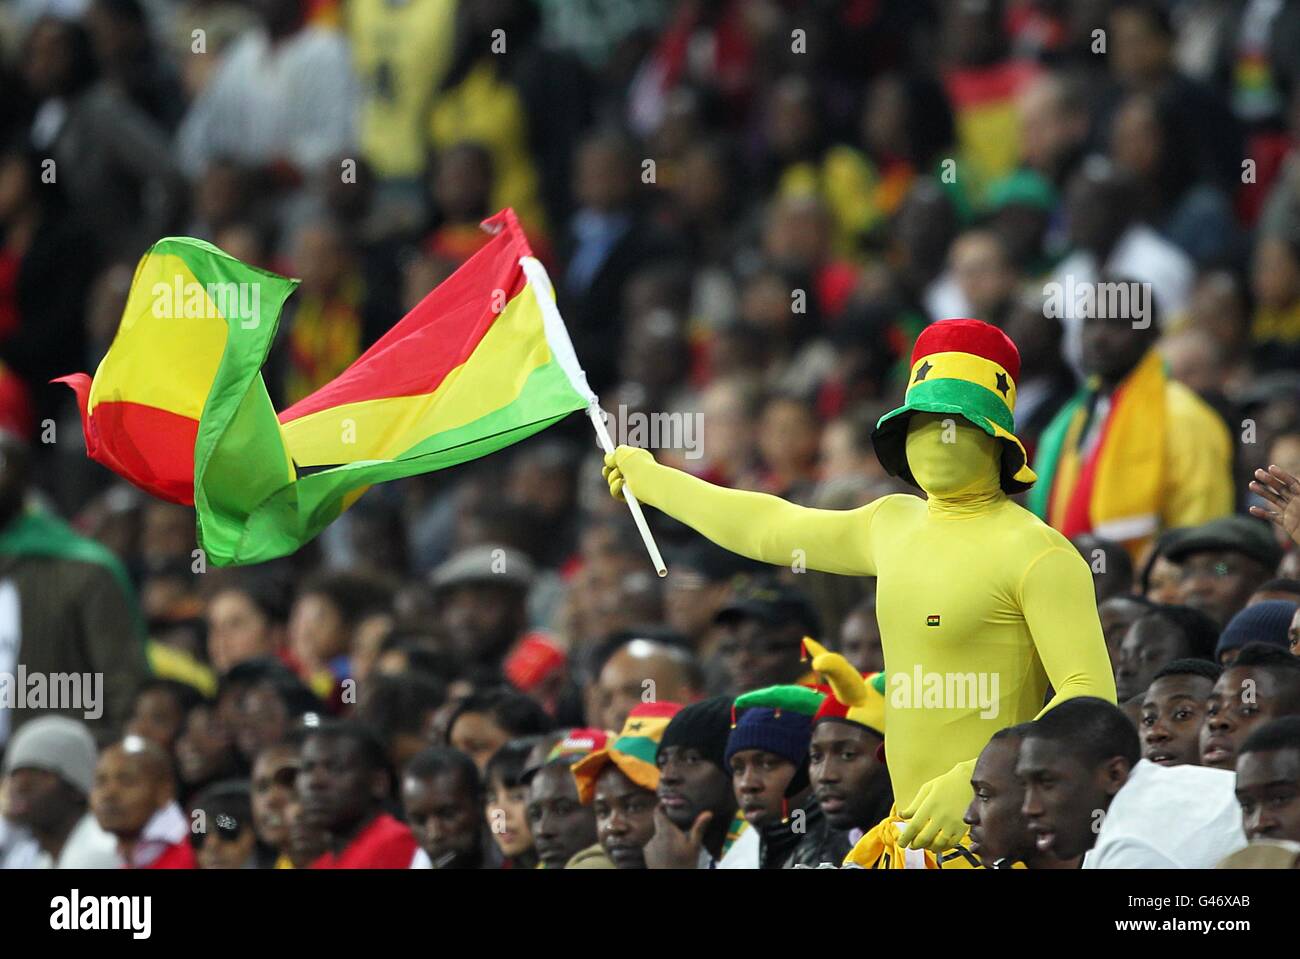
column 1003, row 386
column 922, row 371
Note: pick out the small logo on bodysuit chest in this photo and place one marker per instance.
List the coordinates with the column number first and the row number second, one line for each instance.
column 932, row 619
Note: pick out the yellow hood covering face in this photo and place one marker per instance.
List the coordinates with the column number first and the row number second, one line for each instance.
column 949, row 456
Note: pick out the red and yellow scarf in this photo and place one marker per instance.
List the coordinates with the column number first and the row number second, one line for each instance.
column 1111, row 485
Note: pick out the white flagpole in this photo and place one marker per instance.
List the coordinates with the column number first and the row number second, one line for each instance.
column 596, row 415
column 557, row 336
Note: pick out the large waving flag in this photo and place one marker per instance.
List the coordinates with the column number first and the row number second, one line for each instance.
column 179, row 408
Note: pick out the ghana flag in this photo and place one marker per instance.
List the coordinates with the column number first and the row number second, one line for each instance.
column 178, row 405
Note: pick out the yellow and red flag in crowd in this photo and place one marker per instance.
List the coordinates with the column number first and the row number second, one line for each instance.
column 178, row 405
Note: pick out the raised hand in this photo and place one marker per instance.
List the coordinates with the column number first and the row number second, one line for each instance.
column 670, row 847
column 1282, row 491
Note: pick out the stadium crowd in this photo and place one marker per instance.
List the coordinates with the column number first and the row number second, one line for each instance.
column 750, row 210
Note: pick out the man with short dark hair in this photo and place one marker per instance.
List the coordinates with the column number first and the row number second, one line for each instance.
column 1268, row 781
column 640, row 664
column 343, row 782
column 1117, row 614
column 1080, row 767
column 134, row 798
column 1263, row 684
column 1157, row 639
column 999, row 835
column 1173, row 709
column 443, row 800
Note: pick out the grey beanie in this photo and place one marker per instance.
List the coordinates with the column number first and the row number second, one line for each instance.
column 57, row 744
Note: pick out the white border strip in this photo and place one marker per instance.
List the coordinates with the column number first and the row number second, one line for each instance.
column 557, row 334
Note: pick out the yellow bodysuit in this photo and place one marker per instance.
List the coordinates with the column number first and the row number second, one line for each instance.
column 971, row 588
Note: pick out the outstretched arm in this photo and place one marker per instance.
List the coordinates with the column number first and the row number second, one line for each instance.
column 761, row 527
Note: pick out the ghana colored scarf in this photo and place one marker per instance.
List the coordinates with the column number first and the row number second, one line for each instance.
column 1109, row 482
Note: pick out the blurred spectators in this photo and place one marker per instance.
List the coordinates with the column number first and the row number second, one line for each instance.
column 749, row 210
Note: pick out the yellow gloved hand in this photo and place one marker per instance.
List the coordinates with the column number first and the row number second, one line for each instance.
column 934, row 817
column 624, row 462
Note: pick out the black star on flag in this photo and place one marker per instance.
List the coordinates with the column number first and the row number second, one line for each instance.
column 922, row 371
column 1003, row 386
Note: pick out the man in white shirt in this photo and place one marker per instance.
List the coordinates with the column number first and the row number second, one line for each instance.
column 1088, row 792
column 49, row 770
column 283, row 99
column 1105, row 242
column 134, row 798
column 18, row 850
column 1170, row 817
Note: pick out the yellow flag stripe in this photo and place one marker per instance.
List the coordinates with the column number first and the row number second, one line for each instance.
column 170, row 325
column 380, row 429
column 956, row 365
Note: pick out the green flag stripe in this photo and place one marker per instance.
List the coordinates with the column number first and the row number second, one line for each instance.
column 964, row 395
column 239, row 453
column 1050, row 445
column 297, row 511
column 638, row 747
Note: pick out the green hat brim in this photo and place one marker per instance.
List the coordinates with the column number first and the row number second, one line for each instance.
column 890, row 442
